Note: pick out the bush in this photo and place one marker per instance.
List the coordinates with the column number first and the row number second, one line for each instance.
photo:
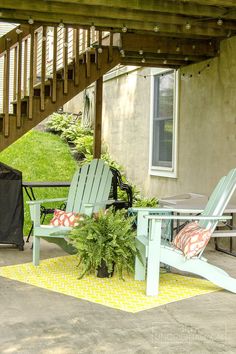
column 59, row 122
column 84, row 145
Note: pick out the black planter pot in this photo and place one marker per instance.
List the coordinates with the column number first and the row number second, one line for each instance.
column 102, row 271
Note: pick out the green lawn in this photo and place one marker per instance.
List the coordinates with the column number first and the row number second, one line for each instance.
column 40, row 157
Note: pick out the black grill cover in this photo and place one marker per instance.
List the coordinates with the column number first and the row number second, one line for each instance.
column 11, row 206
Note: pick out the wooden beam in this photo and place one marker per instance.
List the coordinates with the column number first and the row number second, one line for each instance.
column 154, row 44
column 97, row 145
column 131, row 62
column 180, row 7
column 107, row 23
column 225, row 3
column 124, row 14
column 166, row 56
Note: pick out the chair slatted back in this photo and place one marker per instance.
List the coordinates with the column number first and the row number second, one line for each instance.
column 219, row 199
column 90, row 184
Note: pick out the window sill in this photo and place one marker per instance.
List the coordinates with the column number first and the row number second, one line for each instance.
column 163, row 173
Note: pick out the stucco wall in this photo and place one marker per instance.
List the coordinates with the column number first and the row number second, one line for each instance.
column 207, row 125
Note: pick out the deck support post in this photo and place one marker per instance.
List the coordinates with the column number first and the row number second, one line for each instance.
column 98, row 119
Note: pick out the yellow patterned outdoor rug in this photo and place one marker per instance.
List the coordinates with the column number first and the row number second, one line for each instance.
column 61, row 275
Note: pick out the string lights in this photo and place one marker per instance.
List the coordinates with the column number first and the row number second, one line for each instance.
column 18, row 31
column 61, row 24
column 92, row 27
column 30, row 21
column 185, row 76
column 188, row 26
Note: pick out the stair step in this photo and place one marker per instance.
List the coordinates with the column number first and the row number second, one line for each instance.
column 24, row 106
column 47, row 90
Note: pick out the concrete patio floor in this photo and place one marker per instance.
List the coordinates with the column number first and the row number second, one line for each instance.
column 35, row 320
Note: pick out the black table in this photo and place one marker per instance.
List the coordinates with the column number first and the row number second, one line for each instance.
column 28, row 186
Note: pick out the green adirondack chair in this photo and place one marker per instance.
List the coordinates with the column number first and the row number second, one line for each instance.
column 151, row 240
column 88, row 193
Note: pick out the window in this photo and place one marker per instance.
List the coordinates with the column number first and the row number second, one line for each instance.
column 163, row 123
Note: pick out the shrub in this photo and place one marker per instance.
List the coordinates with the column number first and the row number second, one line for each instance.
column 84, row 145
column 59, row 122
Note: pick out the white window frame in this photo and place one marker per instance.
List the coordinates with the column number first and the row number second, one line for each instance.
column 159, row 170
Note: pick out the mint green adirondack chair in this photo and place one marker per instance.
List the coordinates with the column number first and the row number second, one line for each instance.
column 88, row 193
column 154, row 248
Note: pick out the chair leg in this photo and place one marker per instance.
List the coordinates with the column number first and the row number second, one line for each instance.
column 36, row 251
column 140, row 267
column 30, row 232
column 153, row 263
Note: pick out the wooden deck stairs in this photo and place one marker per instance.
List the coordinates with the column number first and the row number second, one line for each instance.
column 43, row 68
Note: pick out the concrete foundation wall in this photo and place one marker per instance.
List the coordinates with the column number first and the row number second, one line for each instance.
column 207, row 125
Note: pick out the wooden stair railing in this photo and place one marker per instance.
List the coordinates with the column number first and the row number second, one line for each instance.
column 43, row 68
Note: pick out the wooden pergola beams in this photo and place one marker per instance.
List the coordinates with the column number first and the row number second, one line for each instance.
column 167, row 16
column 181, row 46
column 184, row 31
column 117, row 13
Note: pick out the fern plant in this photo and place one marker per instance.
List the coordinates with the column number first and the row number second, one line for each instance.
column 108, row 237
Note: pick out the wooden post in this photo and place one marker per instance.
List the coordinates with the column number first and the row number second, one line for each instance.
column 43, row 69
column 65, row 61
column 6, row 122
column 15, row 74
column 31, row 75
column 54, row 71
column 19, row 61
column 25, row 67
column 76, row 56
column 97, row 142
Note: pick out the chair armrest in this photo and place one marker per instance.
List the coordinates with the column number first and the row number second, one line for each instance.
column 187, row 217
column 43, row 201
column 35, row 208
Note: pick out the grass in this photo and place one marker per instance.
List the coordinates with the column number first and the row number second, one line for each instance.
column 40, row 157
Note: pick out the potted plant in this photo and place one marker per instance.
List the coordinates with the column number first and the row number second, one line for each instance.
column 105, row 240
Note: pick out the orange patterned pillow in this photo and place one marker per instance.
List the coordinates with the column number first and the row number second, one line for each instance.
column 63, row 218
column 192, row 239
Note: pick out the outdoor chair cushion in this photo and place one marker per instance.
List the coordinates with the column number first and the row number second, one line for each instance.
column 192, row 239
column 63, row 218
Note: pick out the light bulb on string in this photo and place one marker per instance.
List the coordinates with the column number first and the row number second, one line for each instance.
column 61, row 24
column 188, row 26
column 30, row 21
